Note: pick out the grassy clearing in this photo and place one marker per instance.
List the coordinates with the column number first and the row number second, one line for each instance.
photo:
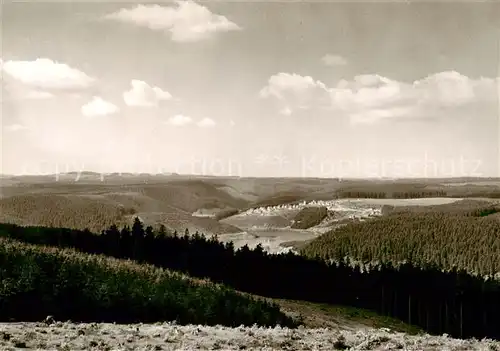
column 38, row 281
column 369, row 318
column 318, row 315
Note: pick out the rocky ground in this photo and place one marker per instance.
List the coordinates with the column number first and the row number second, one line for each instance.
column 166, row 336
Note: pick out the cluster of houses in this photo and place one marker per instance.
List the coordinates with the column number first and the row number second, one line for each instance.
column 347, row 208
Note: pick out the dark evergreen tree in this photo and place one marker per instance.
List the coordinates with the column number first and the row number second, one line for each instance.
column 162, row 230
column 112, row 236
column 138, row 239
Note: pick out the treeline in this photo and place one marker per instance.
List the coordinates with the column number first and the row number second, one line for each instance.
column 357, row 194
column 451, row 302
column 389, row 194
column 466, row 239
column 38, row 281
column 280, row 199
column 418, row 194
column 417, row 190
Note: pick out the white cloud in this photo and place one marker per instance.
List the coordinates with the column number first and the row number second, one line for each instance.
column 19, row 91
column 206, row 122
column 369, row 91
column 304, row 91
column 186, row 22
column 370, row 116
column 15, row 127
column 370, row 98
column 143, row 95
column 447, row 88
column 38, row 95
column 294, row 91
column 286, row 111
column 43, row 73
column 333, row 60
column 179, row 120
column 98, row 107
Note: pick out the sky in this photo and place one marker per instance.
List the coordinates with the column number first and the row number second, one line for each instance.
column 266, row 89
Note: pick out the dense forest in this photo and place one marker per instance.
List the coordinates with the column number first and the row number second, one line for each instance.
column 309, row 217
column 57, row 210
column 450, row 237
column 415, row 191
column 452, row 302
column 38, row 281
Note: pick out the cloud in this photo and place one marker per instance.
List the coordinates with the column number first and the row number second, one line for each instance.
column 206, row 123
column 187, row 22
column 371, row 116
column 294, row 91
column 38, row 95
column 370, row 91
column 98, row 107
column 333, row 60
column 15, row 127
column 22, row 92
column 45, row 74
column 179, row 120
column 370, row 98
column 286, row 111
column 142, row 94
column 449, row 88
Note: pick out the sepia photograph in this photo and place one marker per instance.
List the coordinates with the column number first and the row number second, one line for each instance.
column 250, row 175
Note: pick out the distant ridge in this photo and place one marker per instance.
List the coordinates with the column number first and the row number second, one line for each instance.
column 209, row 176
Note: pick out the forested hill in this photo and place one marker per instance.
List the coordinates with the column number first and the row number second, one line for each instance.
column 465, row 239
column 451, row 302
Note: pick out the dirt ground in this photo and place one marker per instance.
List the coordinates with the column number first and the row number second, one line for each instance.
column 166, row 336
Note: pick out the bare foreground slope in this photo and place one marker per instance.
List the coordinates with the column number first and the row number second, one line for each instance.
column 167, row 336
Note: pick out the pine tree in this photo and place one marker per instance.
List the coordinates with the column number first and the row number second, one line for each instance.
column 138, row 239
column 162, row 231
column 113, row 240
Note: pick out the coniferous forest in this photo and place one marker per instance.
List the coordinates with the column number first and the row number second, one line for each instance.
column 465, row 239
column 39, row 281
column 440, row 301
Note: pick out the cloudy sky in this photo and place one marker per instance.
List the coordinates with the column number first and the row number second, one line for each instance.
column 252, row 88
